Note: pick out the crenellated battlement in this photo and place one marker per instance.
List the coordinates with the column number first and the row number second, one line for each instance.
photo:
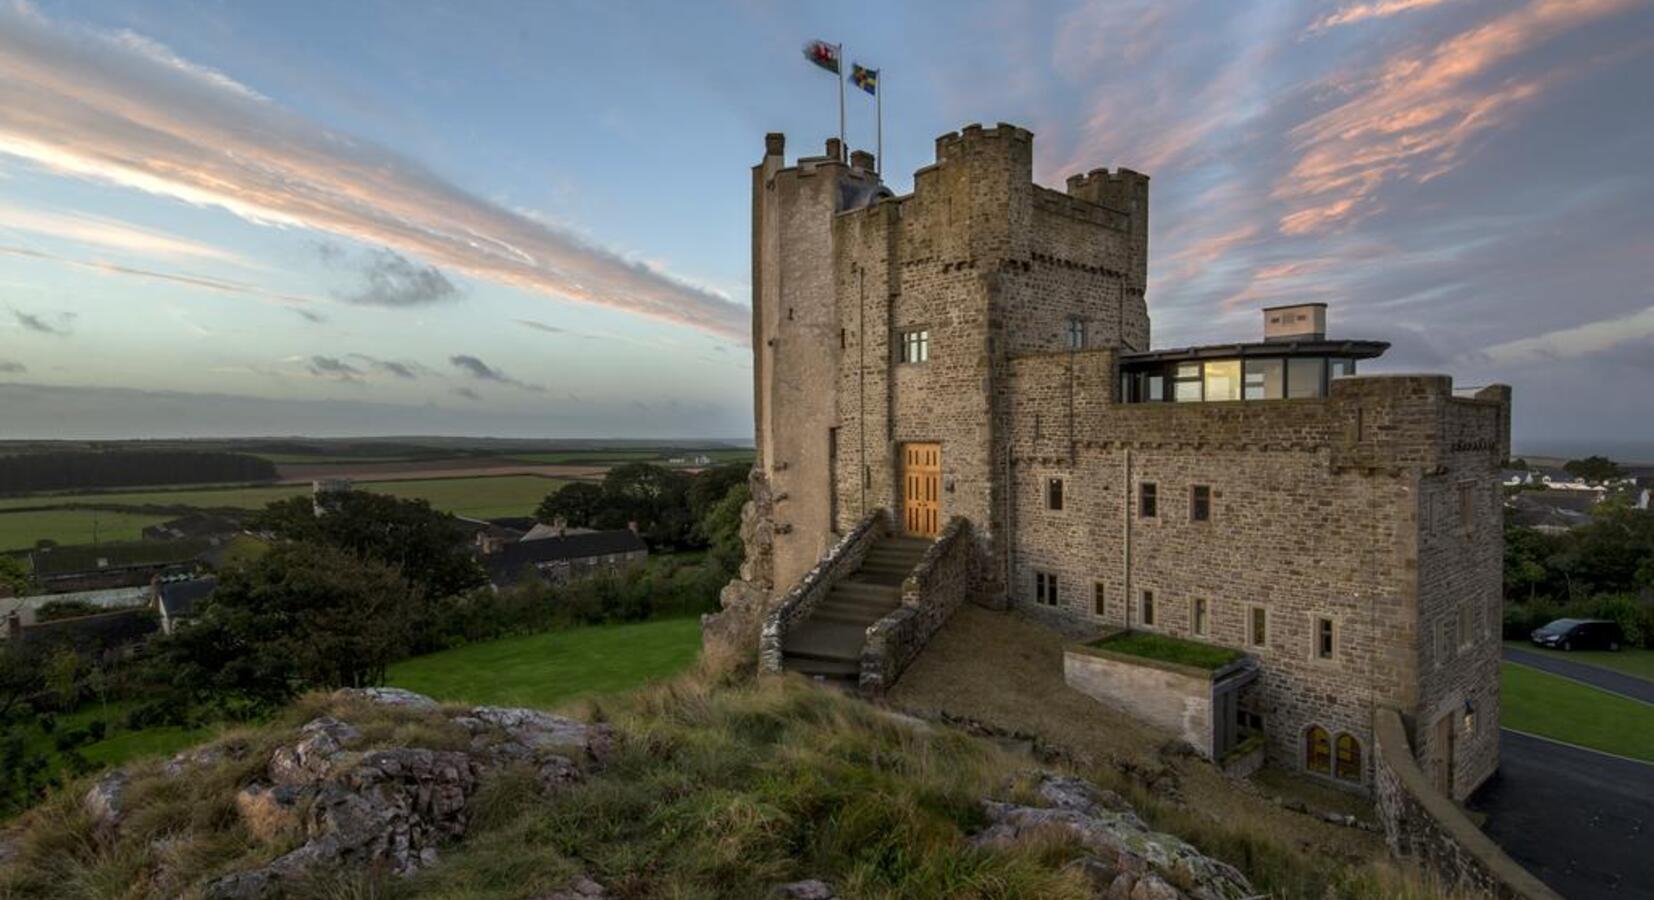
column 1122, row 189
column 956, row 143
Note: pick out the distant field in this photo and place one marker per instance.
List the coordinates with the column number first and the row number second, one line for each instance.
column 507, row 495
column 318, row 459
column 19, row 530
column 553, row 667
column 589, row 456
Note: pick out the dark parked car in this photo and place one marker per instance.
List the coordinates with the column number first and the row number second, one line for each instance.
column 1579, row 634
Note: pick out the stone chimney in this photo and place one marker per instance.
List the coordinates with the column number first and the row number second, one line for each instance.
column 835, row 149
column 1299, row 322
column 861, row 159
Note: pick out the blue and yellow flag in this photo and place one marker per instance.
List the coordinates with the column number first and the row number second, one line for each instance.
column 865, row 78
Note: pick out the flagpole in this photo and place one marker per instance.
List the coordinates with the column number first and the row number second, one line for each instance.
column 878, row 103
column 841, row 97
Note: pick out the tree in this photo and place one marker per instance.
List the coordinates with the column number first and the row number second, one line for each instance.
column 14, row 576
column 20, row 676
column 426, row 545
column 303, row 616
column 576, row 503
column 713, row 485
column 722, row 528
column 1593, row 469
column 652, row 496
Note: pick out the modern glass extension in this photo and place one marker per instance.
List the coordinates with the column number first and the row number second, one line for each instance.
column 1265, row 371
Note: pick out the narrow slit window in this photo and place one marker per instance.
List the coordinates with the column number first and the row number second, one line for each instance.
column 1053, row 493
column 1197, row 616
column 1147, row 500
column 1097, row 597
column 1257, row 627
column 1076, row 334
column 1148, row 609
column 1324, row 642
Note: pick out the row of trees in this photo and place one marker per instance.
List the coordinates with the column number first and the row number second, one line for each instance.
column 74, row 470
column 1603, row 569
column 668, row 506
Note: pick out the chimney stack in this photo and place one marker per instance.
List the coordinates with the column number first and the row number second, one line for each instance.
column 835, row 149
column 775, row 143
column 1298, row 322
column 861, row 159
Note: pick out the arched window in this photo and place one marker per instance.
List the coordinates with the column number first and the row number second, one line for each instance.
column 1318, row 750
column 1349, row 758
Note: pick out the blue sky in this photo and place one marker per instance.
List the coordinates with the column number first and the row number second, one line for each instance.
column 532, row 219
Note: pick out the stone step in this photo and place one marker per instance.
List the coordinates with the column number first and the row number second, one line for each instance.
column 866, row 590
column 886, row 567
column 885, row 578
column 825, row 641
column 883, row 552
column 850, row 615
column 862, row 601
column 826, row 670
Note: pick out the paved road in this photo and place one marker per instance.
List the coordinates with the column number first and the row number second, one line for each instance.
column 1595, row 676
column 1581, row 821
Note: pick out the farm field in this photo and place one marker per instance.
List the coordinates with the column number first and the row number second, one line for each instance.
column 553, row 667
column 19, row 530
column 477, row 497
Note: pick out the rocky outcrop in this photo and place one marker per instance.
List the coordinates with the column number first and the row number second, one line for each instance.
column 392, row 808
column 105, row 801
column 581, row 888
column 1128, row 859
column 732, row 633
column 811, row 889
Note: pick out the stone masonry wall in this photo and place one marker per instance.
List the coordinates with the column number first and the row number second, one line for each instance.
column 1422, row 825
column 806, row 594
column 939, row 585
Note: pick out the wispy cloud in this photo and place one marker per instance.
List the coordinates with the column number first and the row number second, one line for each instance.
column 1580, row 340
column 541, row 326
column 122, row 109
column 389, row 279
column 467, row 393
column 206, row 282
column 482, row 371
column 405, row 370
column 334, row 368
column 12, row 367
column 112, row 234
column 40, row 325
column 1361, row 12
column 1414, row 116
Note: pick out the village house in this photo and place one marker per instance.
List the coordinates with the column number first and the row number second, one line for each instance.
column 563, row 555
column 956, row 395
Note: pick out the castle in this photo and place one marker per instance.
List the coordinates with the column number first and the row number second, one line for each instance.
column 956, row 396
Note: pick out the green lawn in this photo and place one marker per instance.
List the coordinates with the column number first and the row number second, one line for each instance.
column 19, row 530
column 120, row 744
column 1168, row 649
column 1630, row 661
column 548, row 669
column 1555, row 707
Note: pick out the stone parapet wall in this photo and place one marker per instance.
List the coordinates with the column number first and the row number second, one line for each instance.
column 843, row 559
column 1422, row 825
column 939, row 585
column 1174, row 697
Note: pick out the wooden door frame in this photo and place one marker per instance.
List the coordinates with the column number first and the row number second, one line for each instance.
column 902, row 484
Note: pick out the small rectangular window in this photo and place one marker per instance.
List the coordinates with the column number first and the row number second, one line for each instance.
column 1146, row 500
column 915, row 346
column 1076, row 334
column 1200, row 503
column 1053, row 493
column 1467, row 628
column 1467, row 505
column 1186, row 383
column 1257, row 631
column 1197, row 616
column 1045, row 588
column 1097, row 606
column 1148, row 609
column 1324, row 644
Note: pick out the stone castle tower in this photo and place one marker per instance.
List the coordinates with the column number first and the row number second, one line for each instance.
column 955, row 397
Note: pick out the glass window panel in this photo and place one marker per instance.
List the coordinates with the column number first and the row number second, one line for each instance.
column 1338, row 367
column 1265, row 379
column 1188, row 370
column 1304, row 377
column 1223, row 380
column 1157, row 387
column 1186, row 390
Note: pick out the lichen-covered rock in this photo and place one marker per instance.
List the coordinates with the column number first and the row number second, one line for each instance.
column 312, row 757
column 1100, row 874
column 581, row 888
column 1118, row 838
column 105, row 800
column 390, row 696
column 811, row 889
column 195, row 758
column 540, row 731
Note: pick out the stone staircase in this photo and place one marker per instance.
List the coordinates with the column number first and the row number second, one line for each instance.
column 828, row 645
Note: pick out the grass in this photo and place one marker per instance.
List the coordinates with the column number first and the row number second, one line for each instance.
column 556, row 457
column 20, row 530
column 554, row 667
column 1555, row 707
column 1168, row 649
column 1627, row 660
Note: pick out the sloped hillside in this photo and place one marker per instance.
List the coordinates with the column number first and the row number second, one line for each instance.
column 688, row 789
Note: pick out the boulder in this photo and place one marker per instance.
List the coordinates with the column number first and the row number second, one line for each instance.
column 196, row 758
column 1118, row 839
column 104, row 801
column 312, row 757
column 390, row 696
column 581, row 888
column 539, row 731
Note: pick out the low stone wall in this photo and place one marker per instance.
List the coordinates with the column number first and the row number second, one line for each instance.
column 940, row 583
column 1422, row 825
column 844, row 558
column 1174, row 697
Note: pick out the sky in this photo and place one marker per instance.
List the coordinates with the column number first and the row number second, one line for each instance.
column 532, row 220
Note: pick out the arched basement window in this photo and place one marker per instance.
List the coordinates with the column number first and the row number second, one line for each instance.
column 1349, row 758
column 1318, row 750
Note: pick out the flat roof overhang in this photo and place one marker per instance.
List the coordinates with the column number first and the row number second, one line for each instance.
column 1281, row 348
